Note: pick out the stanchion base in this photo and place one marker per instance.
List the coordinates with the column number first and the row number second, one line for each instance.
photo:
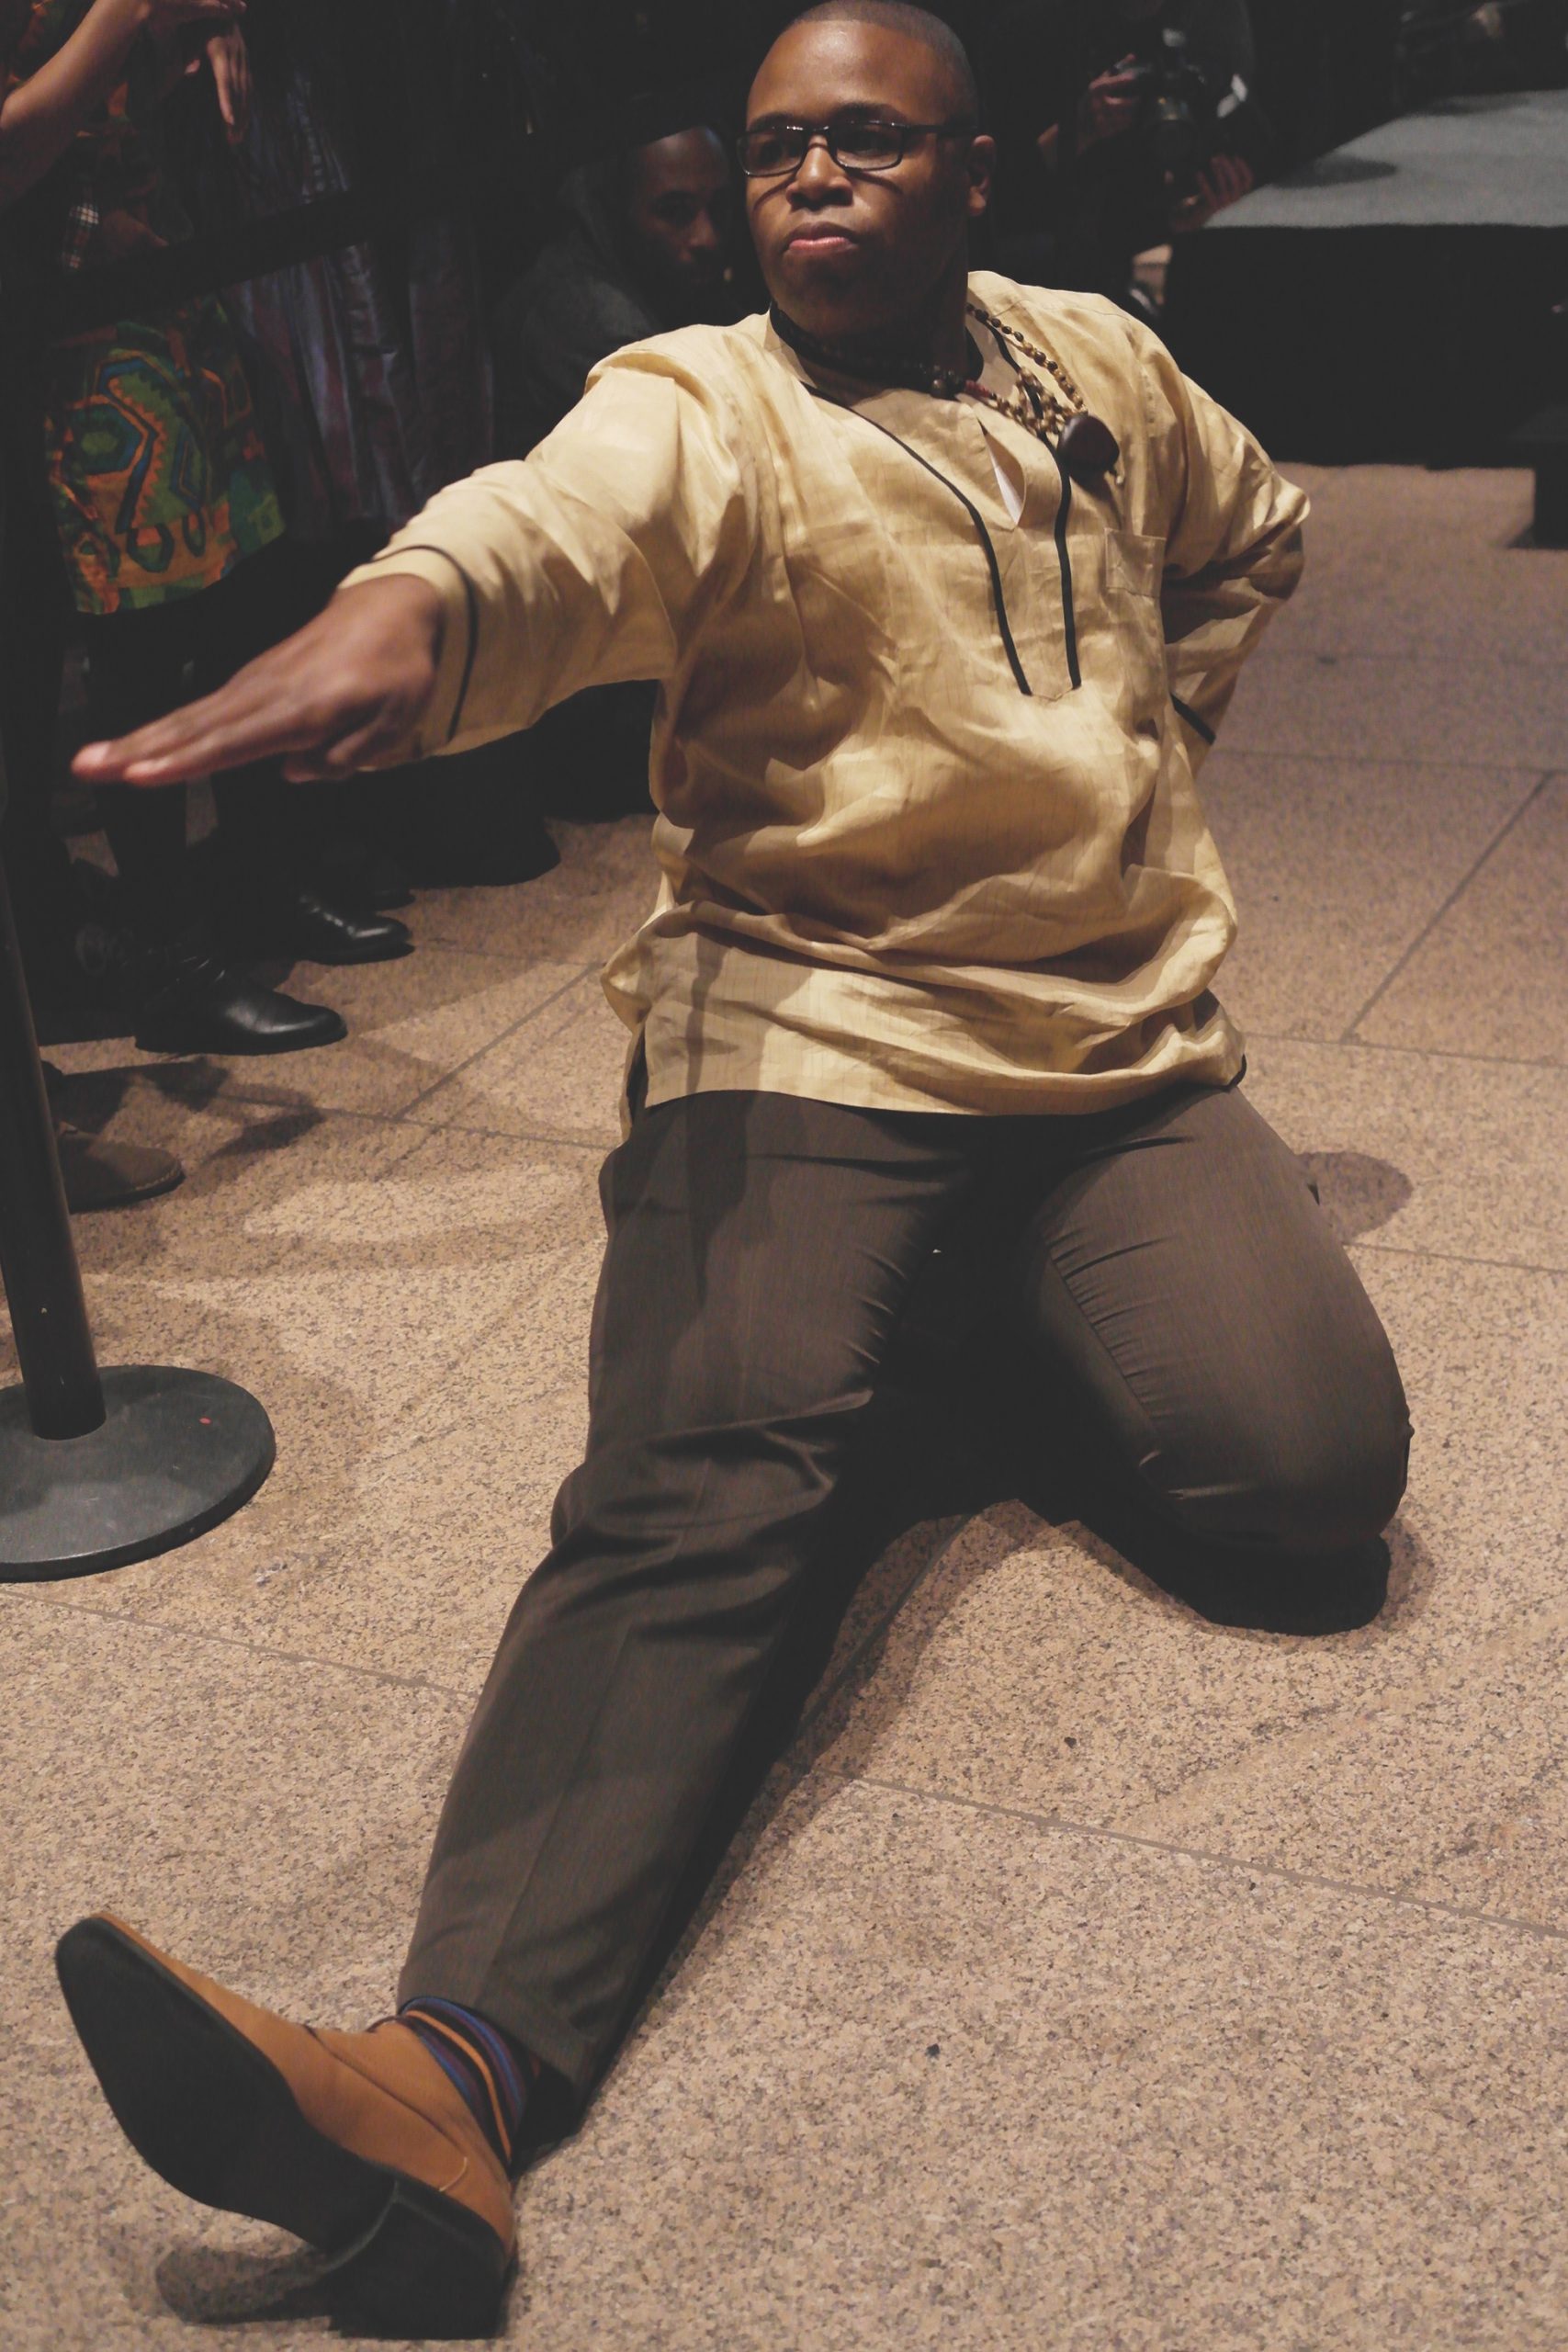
column 178, row 1450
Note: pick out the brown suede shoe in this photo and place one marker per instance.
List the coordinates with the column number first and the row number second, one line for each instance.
column 357, row 2143
column 98, row 1174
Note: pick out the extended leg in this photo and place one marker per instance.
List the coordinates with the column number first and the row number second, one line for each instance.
column 760, row 1250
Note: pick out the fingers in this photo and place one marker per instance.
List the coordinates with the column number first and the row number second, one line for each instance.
column 342, row 691
column 250, row 718
column 1231, row 179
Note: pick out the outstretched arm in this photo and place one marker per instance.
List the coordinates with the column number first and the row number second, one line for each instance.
column 593, row 560
column 1233, row 545
column 40, row 115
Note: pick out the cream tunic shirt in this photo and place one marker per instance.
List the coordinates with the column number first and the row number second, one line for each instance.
column 928, row 834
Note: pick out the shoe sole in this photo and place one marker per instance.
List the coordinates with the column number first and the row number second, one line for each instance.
column 217, row 2119
column 127, row 1197
column 301, row 950
column 181, row 1039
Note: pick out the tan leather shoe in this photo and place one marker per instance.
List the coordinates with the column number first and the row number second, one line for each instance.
column 357, row 2143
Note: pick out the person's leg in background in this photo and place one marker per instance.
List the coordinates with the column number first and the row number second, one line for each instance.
column 1211, row 1341
column 266, row 898
column 184, row 997
column 33, row 620
column 97, row 1173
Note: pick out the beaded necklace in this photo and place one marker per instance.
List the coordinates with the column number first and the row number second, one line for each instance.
column 1084, row 443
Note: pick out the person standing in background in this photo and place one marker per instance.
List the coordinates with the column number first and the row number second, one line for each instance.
column 164, row 506
column 1079, row 191
column 646, row 238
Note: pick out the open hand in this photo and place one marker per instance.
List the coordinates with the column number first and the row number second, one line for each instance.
column 1109, row 105
column 230, row 64
column 1225, row 181
column 120, row 234
column 345, row 692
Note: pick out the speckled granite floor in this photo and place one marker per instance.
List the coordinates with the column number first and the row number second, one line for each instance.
column 1088, row 1978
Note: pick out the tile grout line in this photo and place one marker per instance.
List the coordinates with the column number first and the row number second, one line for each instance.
column 1525, row 805
column 559, row 1138
column 1336, row 660
column 1421, row 1053
column 420, row 1130
column 1452, row 1257
column 348, row 1111
column 825, row 1692
column 47, row 1591
column 1059, row 1826
column 44, row 1592
column 457, row 1069
column 1236, row 750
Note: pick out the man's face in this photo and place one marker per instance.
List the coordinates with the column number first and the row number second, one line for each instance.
column 849, row 252
column 679, row 218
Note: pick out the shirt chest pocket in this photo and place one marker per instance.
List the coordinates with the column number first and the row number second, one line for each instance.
column 1124, row 653
column 1134, row 564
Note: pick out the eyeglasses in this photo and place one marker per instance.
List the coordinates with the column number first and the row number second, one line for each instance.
column 777, row 149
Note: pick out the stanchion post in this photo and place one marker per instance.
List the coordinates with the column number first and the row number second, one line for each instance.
column 37, row 1257
column 96, row 1469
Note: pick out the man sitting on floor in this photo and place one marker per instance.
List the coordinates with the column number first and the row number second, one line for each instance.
column 948, row 583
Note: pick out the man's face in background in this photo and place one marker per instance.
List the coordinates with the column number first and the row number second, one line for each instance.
column 680, row 221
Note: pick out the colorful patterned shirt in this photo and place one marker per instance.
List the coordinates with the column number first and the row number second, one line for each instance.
column 157, row 476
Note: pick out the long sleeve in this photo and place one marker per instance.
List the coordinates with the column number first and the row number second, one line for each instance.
column 591, row 561
column 1233, row 540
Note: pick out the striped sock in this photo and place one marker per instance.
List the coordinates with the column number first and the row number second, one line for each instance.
column 493, row 2073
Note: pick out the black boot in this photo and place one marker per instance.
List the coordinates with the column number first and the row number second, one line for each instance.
column 186, row 1001
column 298, row 921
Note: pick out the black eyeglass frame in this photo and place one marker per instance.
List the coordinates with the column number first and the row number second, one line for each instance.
column 828, row 131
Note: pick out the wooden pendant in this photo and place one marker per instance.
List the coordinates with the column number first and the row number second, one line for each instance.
column 1088, row 449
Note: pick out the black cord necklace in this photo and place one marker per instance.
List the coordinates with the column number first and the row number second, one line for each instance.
column 876, row 365
column 1084, row 443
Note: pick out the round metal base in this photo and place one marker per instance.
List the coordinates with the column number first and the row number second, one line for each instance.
column 177, row 1451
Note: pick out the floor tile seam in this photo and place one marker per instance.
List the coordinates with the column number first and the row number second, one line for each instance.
column 1060, row 1824
column 1455, row 1258
column 1236, row 750
column 574, row 1139
column 390, row 1120
column 1431, row 1685
column 1276, row 657
column 1529, row 801
column 1387, row 1045
column 827, row 1691
column 467, row 947
column 576, row 973
column 237, row 1092
column 1513, row 665
column 55, row 1594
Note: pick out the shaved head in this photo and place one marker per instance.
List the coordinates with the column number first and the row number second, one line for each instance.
column 881, row 249
column 915, row 24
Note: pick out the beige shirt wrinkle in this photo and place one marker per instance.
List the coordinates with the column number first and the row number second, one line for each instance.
column 887, row 876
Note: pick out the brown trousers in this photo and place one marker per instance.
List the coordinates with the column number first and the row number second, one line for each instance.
column 1177, row 1286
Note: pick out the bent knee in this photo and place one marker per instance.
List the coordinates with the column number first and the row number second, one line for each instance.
column 1280, row 1492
